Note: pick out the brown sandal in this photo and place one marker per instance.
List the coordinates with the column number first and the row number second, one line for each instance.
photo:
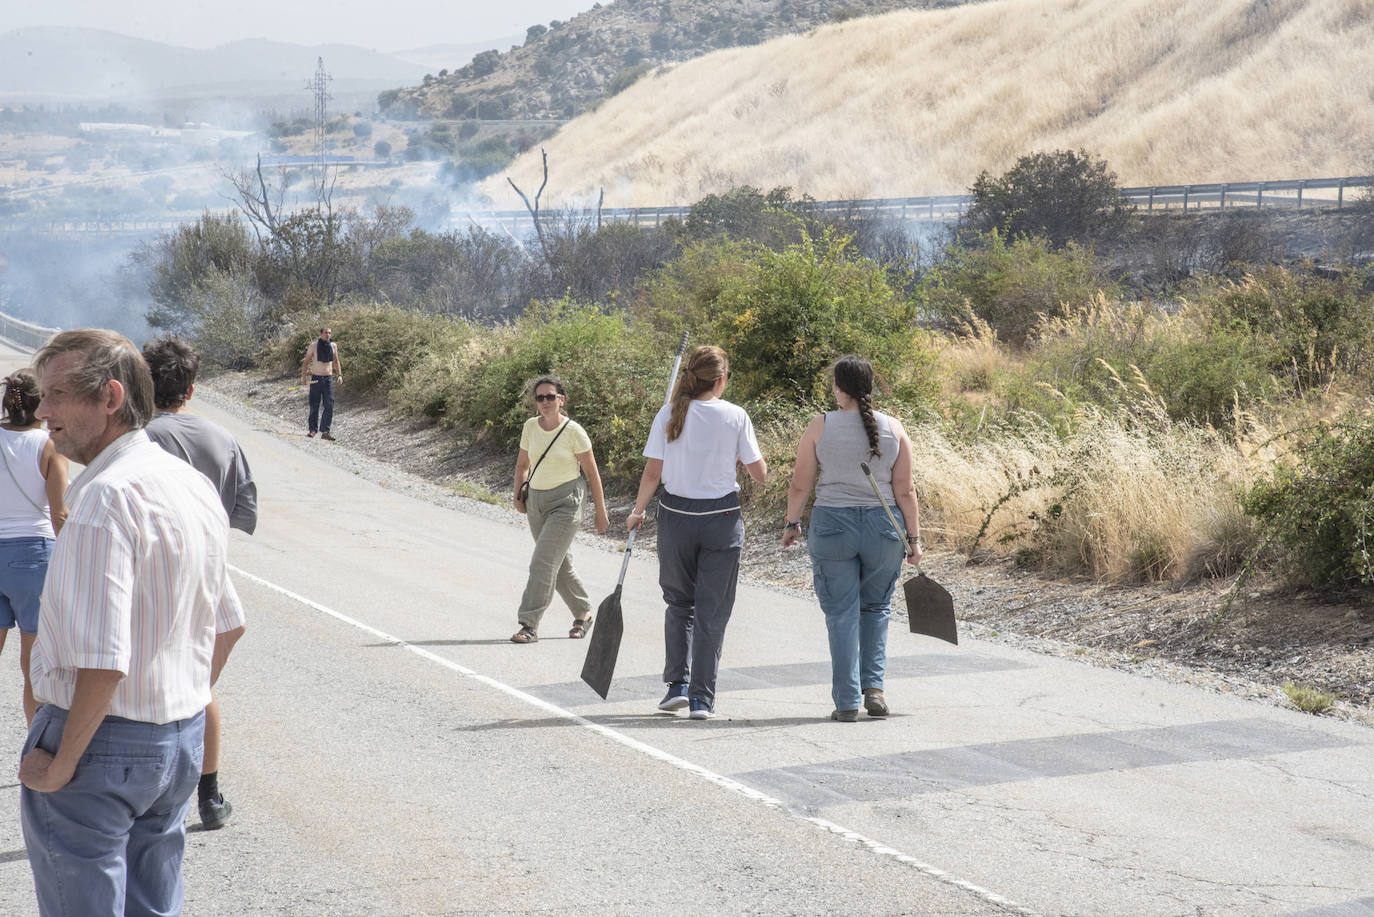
column 524, row 635
column 580, row 628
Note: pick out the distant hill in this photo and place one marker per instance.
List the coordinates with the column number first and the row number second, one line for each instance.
column 451, row 56
column 918, row 102
column 564, row 68
column 70, row 65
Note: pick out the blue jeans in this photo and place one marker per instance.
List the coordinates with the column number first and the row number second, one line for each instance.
column 321, row 396
column 110, row 842
column 23, row 567
column 698, row 569
column 856, row 558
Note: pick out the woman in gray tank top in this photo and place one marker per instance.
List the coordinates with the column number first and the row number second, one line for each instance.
column 856, row 556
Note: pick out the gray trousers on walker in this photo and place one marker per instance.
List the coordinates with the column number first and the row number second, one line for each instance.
column 698, row 568
column 555, row 515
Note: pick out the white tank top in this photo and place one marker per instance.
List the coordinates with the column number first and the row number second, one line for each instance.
column 19, row 518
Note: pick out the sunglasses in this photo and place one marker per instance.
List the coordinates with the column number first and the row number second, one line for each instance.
column 549, row 397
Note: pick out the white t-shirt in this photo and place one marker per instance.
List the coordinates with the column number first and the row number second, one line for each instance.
column 700, row 463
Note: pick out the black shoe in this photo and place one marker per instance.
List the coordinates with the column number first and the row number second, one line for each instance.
column 215, row 812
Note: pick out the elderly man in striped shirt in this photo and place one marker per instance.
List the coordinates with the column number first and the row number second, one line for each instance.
column 137, row 618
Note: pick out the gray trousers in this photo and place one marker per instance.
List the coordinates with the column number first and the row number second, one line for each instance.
column 698, row 569
column 555, row 515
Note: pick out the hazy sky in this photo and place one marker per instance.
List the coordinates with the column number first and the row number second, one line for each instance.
column 386, row 25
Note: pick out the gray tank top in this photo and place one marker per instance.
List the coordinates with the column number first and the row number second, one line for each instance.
column 842, row 446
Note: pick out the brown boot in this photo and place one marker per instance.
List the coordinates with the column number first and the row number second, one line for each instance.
column 875, row 703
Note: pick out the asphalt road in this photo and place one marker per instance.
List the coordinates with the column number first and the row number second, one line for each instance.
column 389, row 752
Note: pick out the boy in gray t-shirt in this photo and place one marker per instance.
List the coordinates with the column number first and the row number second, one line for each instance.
column 213, row 451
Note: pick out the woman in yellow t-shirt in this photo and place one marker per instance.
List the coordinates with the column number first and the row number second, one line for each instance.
column 560, row 475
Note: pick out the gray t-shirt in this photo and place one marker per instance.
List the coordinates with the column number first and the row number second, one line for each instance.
column 213, row 451
column 842, row 446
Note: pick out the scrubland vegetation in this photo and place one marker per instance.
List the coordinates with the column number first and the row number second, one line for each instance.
column 1080, row 411
column 911, row 102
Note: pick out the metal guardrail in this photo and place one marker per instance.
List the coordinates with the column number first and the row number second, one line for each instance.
column 107, row 227
column 1297, row 194
column 24, row 333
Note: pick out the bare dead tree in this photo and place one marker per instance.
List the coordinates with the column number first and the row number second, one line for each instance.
column 259, row 201
column 599, row 201
column 263, row 202
column 534, row 210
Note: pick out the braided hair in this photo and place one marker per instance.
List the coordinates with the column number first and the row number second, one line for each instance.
column 21, row 398
column 854, row 377
column 706, row 366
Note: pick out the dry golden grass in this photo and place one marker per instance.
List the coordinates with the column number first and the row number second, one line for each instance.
column 1120, row 499
column 918, row 102
column 972, row 360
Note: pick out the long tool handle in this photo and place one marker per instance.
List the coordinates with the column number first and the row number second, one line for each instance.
column 625, row 564
column 677, row 364
column 872, row 482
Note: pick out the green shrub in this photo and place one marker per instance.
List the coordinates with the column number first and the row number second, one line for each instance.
column 626, row 78
column 1012, row 286
column 383, row 344
column 616, row 377
column 182, row 260
column 684, row 294
column 1307, row 699
column 1319, row 325
column 787, row 319
column 226, row 307
column 1115, row 352
column 434, row 384
column 1062, row 196
column 378, row 345
column 1201, row 377
column 1319, row 510
column 745, row 212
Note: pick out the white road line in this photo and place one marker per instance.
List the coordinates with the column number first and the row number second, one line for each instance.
column 706, row 774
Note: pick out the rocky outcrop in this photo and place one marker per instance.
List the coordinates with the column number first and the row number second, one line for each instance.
column 565, row 68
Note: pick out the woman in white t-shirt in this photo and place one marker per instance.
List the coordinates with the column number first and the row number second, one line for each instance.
column 696, row 442
column 31, row 515
column 562, row 472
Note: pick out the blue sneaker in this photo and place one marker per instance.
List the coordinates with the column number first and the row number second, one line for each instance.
column 676, row 698
column 701, row 710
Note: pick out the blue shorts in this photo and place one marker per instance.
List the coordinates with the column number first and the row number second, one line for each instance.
column 23, row 567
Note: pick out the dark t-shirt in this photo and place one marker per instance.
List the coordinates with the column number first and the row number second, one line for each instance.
column 213, row 451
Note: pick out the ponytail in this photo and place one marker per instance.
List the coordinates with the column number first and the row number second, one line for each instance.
column 706, row 366
column 854, row 377
column 21, row 398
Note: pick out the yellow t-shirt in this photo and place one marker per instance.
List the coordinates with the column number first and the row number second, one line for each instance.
column 560, row 465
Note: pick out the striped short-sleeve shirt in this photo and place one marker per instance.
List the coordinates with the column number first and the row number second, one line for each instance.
column 137, row 583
